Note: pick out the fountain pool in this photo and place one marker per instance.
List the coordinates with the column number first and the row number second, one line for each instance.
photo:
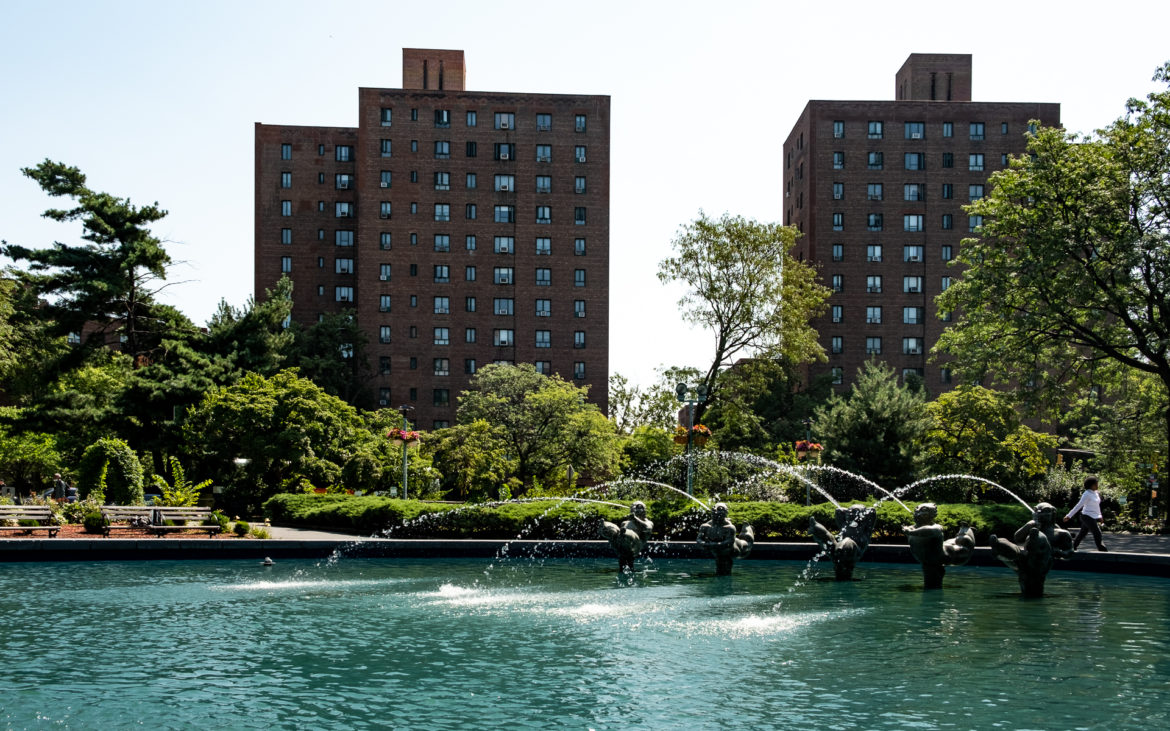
column 568, row 644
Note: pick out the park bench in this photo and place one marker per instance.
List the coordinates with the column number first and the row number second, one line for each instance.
column 181, row 516
column 125, row 517
column 28, row 512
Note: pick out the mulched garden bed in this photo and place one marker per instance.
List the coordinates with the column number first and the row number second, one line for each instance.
column 78, row 531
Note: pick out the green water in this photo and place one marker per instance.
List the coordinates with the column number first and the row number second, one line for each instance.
column 447, row 644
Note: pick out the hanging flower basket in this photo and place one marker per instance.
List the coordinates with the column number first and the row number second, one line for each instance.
column 805, row 448
column 403, row 436
column 699, row 435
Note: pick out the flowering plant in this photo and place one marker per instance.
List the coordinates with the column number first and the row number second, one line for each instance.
column 806, row 446
column 698, row 430
column 404, row 435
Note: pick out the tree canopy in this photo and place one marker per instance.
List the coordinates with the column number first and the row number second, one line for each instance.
column 746, row 288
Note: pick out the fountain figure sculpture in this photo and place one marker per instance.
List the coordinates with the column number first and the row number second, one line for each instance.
column 1032, row 549
column 855, row 524
column 630, row 537
column 718, row 537
column 928, row 547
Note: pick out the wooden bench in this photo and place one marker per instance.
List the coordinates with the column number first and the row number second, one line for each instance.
column 28, row 512
column 125, row 517
column 180, row 516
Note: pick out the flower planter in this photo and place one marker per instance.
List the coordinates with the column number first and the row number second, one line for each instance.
column 680, row 439
column 700, row 440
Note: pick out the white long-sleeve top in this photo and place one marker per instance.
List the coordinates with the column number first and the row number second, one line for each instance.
column 1090, row 503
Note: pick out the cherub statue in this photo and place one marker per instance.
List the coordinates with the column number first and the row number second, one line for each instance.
column 718, row 536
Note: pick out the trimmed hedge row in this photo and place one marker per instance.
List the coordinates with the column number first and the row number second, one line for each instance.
column 555, row 518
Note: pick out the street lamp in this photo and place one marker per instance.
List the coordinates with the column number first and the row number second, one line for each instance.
column 690, row 395
column 807, row 438
column 405, row 444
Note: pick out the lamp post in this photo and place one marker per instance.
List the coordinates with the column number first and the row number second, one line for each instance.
column 807, row 438
column 405, row 446
column 690, row 395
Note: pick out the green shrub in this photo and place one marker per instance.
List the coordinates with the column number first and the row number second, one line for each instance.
column 241, row 528
column 94, row 522
column 123, row 472
column 217, row 518
column 260, row 532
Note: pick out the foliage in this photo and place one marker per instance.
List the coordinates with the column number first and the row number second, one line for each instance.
column 28, row 459
column 241, row 528
column 76, row 512
column 657, row 405
column 113, row 462
column 974, row 430
column 261, row 532
column 747, row 289
column 545, row 424
column 646, row 447
column 332, row 354
column 253, row 339
column 875, row 431
column 94, row 522
column 474, row 460
column 182, row 493
column 218, row 517
column 1071, row 268
column 286, row 428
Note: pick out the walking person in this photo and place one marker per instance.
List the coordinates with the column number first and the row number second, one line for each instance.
column 59, row 487
column 1090, row 509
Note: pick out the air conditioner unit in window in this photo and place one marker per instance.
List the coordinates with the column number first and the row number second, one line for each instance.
column 836, row 319
column 343, row 185
column 581, row 159
column 385, row 215
column 503, row 125
column 504, row 187
column 505, row 280
column 914, row 351
column 384, row 185
column 913, row 257
column 912, row 290
column 873, row 258
column 383, row 402
column 504, row 156
column 915, row 135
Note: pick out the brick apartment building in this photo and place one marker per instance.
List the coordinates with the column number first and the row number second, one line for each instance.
column 878, row 188
column 460, row 227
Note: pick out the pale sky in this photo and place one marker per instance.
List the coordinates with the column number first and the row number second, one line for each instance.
column 156, row 101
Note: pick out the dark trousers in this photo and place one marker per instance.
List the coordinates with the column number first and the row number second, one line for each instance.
column 1089, row 525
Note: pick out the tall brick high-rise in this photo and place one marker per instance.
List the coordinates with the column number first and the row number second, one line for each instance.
column 878, row 188
column 460, row 227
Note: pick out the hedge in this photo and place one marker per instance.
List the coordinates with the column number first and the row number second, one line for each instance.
column 556, row 518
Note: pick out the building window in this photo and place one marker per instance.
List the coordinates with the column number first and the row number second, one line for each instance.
column 344, row 153
column 414, row 145
column 911, row 346
column 578, row 247
column 838, row 375
column 912, row 222
column 578, row 277
column 544, row 153
column 579, row 370
column 836, row 344
column 544, row 214
column 579, row 184
column 544, row 338
column 974, row 222
column 873, row 284
column 505, row 120
column 286, row 264
column 442, row 149
column 912, row 253
column 286, row 208
column 873, row 346
column 504, row 244
column 838, row 160
column 503, row 306
column 578, row 308
column 384, row 272
column 914, row 192
column 838, row 129
column 544, row 367
column 504, row 214
column 947, row 254
column 442, row 181
column 384, row 334
column 502, row 338
column 948, row 222
column 507, row 183
column 838, row 191
column 948, row 191
column 384, row 303
column 442, row 305
column 472, row 119
column 470, row 211
column 286, row 235
column 944, row 375
column 975, row 161
column 874, row 222
column 579, row 123
column 442, row 273
column 838, row 221
column 874, row 161
column 838, row 252
column 441, row 366
column 441, row 396
column 343, row 209
column 543, row 184
column 544, row 277
column 873, row 252
column 543, row 122
column 442, row 118
column 469, row 242
column 838, row 283
column 837, row 313
column 471, row 149
column 505, row 151
column 543, row 247
column 948, row 160
column 948, row 129
column 977, row 130
column 469, row 304
column 384, row 369
column 442, row 336
column 915, row 161
column 469, row 335
column 442, row 212
column 579, row 153
column 911, row 284
column 945, row 283
column 912, row 315
column 286, row 180
column 343, row 294
column 503, row 275
column 873, row 191
column 579, row 216
column 544, row 308
column 469, row 366
column 974, row 192
column 469, row 273
column 944, row 316
column 286, row 151
column 875, row 131
column 915, row 130
column 873, row 315
column 442, row 242
column 343, row 266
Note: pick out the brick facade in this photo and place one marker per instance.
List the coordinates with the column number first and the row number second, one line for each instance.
column 891, row 252
column 410, row 239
